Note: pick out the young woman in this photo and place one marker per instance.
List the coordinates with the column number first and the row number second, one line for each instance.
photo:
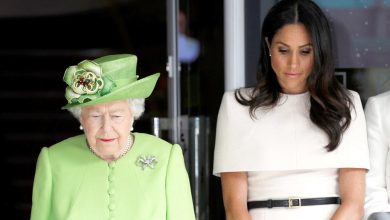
column 295, row 146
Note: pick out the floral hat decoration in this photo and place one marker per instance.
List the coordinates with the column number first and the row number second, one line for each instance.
column 106, row 79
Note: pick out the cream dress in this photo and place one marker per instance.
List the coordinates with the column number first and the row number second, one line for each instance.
column 284, row 155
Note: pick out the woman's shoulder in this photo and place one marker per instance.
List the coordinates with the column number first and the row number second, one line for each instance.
column 355, row 97
column 378, row 104
column 66, row 148
column 230, row 97
column 353, row 94
column 242, row 92
column 151, row 141
column 383, row 97
column 68, row 142
column 147, row 144
column 150, row 138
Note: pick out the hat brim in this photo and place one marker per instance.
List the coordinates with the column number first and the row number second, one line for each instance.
column 139, row 89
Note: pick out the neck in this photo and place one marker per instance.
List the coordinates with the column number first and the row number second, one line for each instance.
column 116, row 155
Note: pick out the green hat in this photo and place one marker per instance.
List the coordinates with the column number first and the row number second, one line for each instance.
column 106, row 79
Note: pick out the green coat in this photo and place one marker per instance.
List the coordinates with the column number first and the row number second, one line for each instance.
column 71, row 183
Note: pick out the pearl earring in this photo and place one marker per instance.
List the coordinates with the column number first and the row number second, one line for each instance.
column 132, row 128
column 81, row 127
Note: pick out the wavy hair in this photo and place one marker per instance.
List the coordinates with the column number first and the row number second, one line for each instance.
column 331, row 103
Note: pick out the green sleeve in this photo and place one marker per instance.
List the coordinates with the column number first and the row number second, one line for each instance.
column 41, row 198
column 178, row 191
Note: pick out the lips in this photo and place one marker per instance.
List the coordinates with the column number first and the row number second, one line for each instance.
column 107, row 139
column 292, row 74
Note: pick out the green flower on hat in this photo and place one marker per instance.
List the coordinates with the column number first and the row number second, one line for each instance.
column 86, row 82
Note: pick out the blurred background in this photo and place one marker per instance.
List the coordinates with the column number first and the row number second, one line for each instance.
column 201, row 48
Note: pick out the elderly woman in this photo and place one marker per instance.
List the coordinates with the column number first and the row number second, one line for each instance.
column 377, row 111
column 110, row 172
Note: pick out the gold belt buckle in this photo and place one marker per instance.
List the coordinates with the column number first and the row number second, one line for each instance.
column 291, row 202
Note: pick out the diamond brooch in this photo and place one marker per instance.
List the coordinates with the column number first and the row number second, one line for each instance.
column 145, row 161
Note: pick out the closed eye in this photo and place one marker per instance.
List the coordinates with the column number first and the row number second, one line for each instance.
column 117, row 118
column 306, row 52
column 283, row 50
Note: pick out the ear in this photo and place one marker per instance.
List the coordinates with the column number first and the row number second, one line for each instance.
column 267, row 42
column 268, row 45
column 81, row 123
column 132, row 125
column 80, row 118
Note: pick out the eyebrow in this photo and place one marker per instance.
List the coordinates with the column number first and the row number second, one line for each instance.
column 305, row 45
column 93, row 112
column 114, row 111
column 117, row 109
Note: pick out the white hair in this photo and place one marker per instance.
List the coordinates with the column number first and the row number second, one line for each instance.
column 136, row 106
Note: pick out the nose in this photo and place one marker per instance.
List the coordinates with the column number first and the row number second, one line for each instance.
column 294, row 60
column 107, row 126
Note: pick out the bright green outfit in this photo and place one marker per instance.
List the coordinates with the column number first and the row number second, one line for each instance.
column 71, row 183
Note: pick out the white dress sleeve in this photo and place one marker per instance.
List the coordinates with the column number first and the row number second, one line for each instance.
column 353, row 148
column 284, row 138
column 231, row 121
column 378, row 118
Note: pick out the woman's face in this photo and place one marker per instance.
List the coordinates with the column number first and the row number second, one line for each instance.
column 292, row 57
column 107, row 126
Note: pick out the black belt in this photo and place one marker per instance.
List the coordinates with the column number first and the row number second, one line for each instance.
column 293, row 202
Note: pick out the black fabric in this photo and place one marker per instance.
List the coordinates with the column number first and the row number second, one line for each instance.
column 293, row 202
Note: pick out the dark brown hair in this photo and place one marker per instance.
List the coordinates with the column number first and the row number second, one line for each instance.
column 330, row 102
